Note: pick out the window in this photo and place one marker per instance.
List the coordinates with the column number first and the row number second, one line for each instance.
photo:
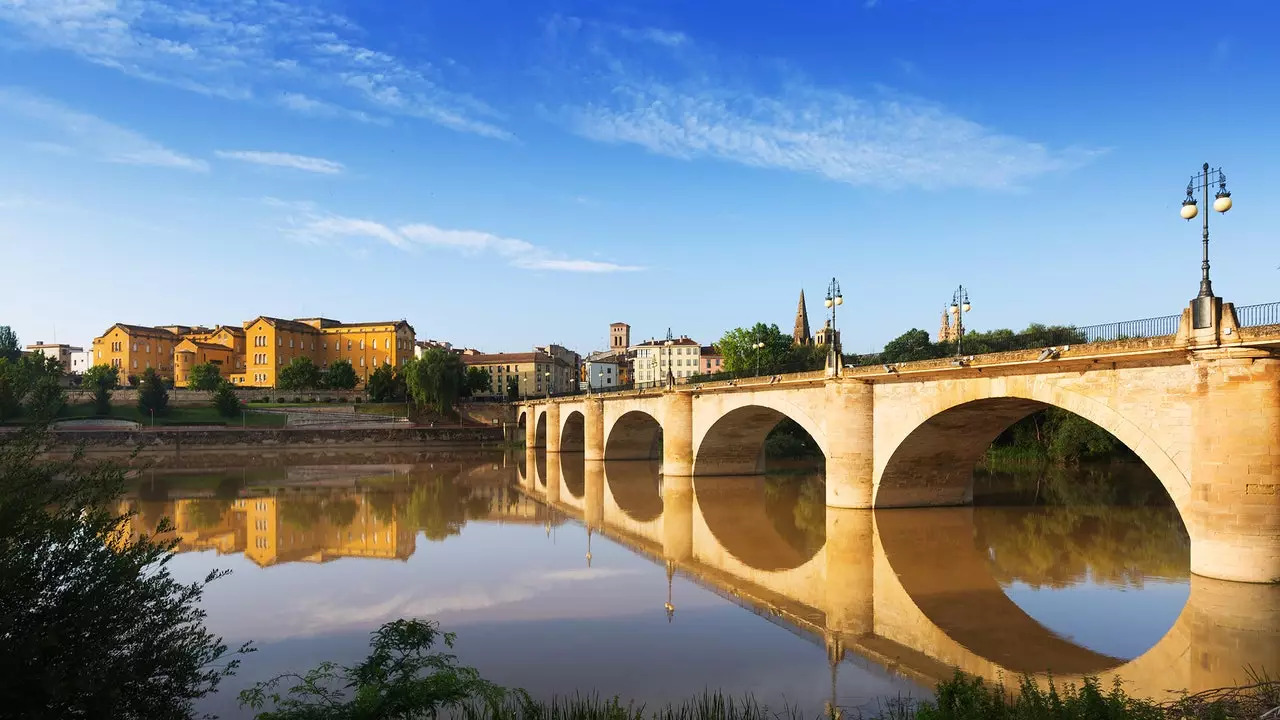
column 280, row 341
column 148, row 347
column 135, row 364
column 362, row 343
column 135, row 347
column 348, row 345
column 290, row 342
column 361, row 361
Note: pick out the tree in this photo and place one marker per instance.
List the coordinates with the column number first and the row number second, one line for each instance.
column 399, row 679
column 153, row 396
column 913, row 344
column 340, row 376
column 513, row 388
column 435, row 380
column 101, row 379
column 225, row 400
column 299, row 374
column 742, row 358
column 11, row 389
column 10, row 349
column 206, row 377
column 386, row 384
column 478, row 380
column 94, row 624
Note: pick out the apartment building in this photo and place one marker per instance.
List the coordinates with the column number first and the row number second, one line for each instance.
column 654, row 359
column 528, row 374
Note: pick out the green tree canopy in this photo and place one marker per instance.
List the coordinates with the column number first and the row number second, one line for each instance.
column 94, row 624
column 741, row 357
column 225, row 400
column 205, row 376
column 435, row 380
column 101, row 379
column 153, row 396
column 386, row 384
column 913, row 344
column 478, row 380
column 340, row 376
column 10, row 348
column 299, row 374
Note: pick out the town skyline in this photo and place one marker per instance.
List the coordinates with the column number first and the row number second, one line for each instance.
column 502, row 184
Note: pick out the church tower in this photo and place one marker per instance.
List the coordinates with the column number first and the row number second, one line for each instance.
column 800, row 335
column 945, row 332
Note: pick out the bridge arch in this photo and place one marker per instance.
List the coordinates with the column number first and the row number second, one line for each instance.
column 636, row 488
column 930, row 460
column 636, row 435
column 573, row 475
column 540, row 430
column 732, row 440
column 573, row 436
column 757, row 521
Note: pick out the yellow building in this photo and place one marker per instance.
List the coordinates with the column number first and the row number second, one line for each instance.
column 133, row 348
column 531, row 374
column 253, row 355
column 273, row 343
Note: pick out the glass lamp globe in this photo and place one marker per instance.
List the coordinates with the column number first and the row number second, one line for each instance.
column 955, row 309
column 827, row 302
column 966, row 306
column 1189, row 210
column 840, row 298
column 1222, row 203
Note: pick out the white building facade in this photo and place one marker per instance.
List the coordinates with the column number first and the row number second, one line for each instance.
column 655, row 358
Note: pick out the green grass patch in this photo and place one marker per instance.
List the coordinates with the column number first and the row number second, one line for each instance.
column 392, row 409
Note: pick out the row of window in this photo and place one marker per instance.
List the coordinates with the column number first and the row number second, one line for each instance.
column 261, row 341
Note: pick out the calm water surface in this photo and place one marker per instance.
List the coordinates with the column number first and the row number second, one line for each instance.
column 746, row 584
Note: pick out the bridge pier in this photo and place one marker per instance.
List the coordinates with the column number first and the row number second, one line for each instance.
column 1234, row 626
column 851, row 450
column 593, row 502
column 850, row 572
column 530, row 427
column 553, row 477
column 677, row 519
column 530, row 479
column 553, row 428
column 593, row 430
column 677, row 434
column 1234, row 518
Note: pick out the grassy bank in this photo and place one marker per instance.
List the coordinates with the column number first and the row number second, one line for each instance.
column 173, row 416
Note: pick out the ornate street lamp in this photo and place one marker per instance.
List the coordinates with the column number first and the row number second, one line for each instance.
column 671, row 376
column 834, row 300
column 959, row 306
column 1222, row 203
column 671, row 571
column 757, row 346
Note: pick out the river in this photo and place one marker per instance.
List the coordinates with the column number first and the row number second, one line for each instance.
column 1074, row 571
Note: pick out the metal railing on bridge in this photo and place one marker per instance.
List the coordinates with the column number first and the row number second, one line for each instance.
column 1258, row 315
column 1144, row 328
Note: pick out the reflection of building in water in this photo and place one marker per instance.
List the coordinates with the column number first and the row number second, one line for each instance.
column 322, row 522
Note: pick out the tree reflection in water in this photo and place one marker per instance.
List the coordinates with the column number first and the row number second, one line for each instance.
column 1056, row 527
column 796, row 504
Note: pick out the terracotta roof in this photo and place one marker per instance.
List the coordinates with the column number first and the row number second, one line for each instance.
column 206, row 345
column 495, row 358
column 364, row 324
column 283, row 324
column 709, row 350
column 663, row 341
column 140, row 330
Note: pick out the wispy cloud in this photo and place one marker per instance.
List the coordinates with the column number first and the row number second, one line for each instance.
column 91, row 135
column 280, row 52
column 308, row 223
column 696, row 111
column 285, row 160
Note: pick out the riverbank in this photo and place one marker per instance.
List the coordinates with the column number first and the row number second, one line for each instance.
column 158, row 443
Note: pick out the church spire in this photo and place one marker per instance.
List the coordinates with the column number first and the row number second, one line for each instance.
column 800, row 335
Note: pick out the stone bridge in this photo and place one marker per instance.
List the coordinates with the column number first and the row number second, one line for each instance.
column 909, row 589
column 1200, row 408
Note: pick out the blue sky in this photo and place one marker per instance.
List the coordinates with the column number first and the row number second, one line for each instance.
column 509, row 173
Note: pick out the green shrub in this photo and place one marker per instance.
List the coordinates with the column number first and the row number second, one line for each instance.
column 225, row 400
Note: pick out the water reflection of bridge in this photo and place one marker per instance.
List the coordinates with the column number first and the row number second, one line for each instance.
column 907, row 588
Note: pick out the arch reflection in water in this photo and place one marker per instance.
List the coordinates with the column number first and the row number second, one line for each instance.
column 923, row 591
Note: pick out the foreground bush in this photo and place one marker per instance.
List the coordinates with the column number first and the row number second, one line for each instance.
column 92, row 624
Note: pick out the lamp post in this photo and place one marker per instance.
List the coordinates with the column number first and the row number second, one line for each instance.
column 959, row 306
column 671, row 571
column 757, row 346
column 1222, row 203
column 671, row 377
column 834, row 299
column 547, row 375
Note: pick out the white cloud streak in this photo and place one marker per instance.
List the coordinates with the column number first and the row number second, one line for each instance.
column 284, row 160
column 280, row 51
column 696, row 112
column 308, row 223
column 82, row 133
